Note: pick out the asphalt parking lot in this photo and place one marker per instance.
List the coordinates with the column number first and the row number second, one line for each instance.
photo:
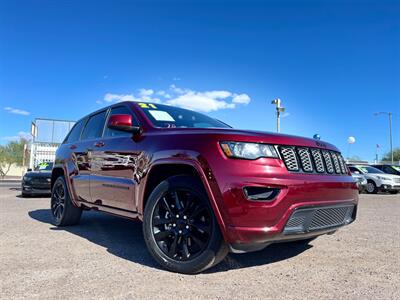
column 105, row 258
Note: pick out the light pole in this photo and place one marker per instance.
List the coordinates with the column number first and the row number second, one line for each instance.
column 390, row 130
column 279, row 109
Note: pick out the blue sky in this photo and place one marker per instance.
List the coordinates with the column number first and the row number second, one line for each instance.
column 333, row 63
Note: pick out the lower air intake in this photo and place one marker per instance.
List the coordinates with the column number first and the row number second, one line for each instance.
column 305, row 220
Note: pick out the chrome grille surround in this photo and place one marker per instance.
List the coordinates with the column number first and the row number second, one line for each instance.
column 336, row 163
column 312, row 160
column 318, row 161
column 289, row 158
column 305, row 159
column 328, row 161
column 311, row 219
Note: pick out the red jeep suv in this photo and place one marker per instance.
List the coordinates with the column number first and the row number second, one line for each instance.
column 200, row 187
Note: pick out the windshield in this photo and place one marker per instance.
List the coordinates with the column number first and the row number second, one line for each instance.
column 172, row 117
column 370, row 170
column 44, row 167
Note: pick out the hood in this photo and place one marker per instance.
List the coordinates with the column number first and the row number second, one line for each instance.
column 38, row 174
column 384, row 175
column 230, row 134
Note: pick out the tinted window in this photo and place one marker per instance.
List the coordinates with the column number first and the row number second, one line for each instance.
column 353, row 170
column 389, row 170
column 75, row 133
column 94, row 127
column 369, row 170
column 120, row 110
column 173, row 117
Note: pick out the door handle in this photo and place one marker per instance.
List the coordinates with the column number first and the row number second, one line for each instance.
column 99, row 144
column 72, row 147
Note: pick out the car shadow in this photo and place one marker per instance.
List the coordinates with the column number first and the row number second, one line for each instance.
column 123, row 238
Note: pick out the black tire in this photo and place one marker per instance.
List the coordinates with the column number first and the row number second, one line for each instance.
column 63, row 211
column 393, row 192
column 371, row 187
column 179, row 227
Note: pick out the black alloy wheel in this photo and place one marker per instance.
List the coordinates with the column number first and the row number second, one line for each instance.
column 58, row 201
column 63, row 211
column 181, row 224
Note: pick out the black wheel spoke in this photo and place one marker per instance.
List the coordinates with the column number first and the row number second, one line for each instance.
column 197, row 211
column 196, row 240
column 173, row 247
column 181, row 224
column 177, row 202
column 202, row 227
column 185, row 248
column 166, row 205
column 161, row 221
column 161, row 235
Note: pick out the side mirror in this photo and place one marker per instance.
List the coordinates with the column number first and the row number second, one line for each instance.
column 29, row 170
column 122, row 123
column 356, row 172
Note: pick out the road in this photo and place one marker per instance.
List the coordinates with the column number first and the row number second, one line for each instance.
column 105, row 258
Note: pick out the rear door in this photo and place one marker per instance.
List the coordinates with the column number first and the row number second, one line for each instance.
column 84, row 152
column 112, row 181
column 79, row 170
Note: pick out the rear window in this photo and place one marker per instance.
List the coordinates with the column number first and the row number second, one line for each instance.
column 75, row 133
column 94, row 127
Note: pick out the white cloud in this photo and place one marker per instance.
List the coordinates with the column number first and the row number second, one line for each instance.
column 118, row 97
column 21, row 135
column 145, row 92
column 200, row 101
column 285, row 115
column 17, row 111
column 241, row 99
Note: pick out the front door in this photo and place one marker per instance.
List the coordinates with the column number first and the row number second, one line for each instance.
column 113, row 167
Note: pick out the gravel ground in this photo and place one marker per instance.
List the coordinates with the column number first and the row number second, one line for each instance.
column 105, row 258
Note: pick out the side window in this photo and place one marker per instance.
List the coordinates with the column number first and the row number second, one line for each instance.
column 353, row 170
column 120, row 110
column 388, row 170
column 75, row 133
column 94, row 127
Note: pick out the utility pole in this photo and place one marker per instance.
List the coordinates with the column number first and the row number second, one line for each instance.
column 279, row 109
column 390, row 130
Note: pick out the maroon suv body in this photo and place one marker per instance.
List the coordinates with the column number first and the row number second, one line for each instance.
column 201, row 187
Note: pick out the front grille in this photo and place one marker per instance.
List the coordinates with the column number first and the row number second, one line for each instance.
column 312, row 160
column 305, row 220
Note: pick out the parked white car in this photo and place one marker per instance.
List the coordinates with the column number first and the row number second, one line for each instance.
column 377, row 180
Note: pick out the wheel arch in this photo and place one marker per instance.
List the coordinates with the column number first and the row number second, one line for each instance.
column 164, row 169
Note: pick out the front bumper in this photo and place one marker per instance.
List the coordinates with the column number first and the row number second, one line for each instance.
column 32, row 189
column 390, row 187
column 251, row 225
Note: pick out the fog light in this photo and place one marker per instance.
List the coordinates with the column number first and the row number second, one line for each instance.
column 257, row 193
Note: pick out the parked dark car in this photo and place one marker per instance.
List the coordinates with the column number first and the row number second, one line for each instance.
column 37, row 182
column 389, row 169
column 200, row 187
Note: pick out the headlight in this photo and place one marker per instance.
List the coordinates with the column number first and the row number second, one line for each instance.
column 26, row 178
column 248, row 150
column 383, row 178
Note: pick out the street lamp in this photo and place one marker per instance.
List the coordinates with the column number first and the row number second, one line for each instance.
column 390, row 129
column 279, row 110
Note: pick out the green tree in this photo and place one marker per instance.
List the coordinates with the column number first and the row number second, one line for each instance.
column 396, row 155
column 11, row 153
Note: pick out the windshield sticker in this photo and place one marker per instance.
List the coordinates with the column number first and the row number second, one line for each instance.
column 160, row 115
column 147, row 105
column 396, row 168
column 43, row 166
